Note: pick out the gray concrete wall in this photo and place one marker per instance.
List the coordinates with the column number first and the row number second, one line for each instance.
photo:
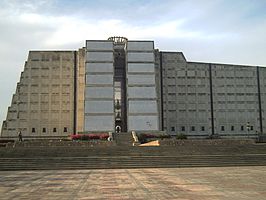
column 235, row 94
column 262, row 73
column 140, row 67
column 99, row 89
column 186, row 97
column 43, row 102
column 80, row 90
column 99, row 67
column 141, row 88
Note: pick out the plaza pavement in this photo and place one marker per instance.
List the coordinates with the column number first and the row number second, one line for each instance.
column 208, row 183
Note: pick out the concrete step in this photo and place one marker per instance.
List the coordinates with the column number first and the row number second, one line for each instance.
column 127, row 151
column 130, row 162
column 123, row 156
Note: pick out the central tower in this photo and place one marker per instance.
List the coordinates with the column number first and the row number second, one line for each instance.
column 120, row 89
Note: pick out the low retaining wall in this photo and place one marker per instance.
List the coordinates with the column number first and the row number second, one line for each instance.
column 213, row 142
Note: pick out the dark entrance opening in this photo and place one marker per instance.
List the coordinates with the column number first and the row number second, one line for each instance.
column 120, row 87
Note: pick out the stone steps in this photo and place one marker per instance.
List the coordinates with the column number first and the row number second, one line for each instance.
column 124, row 156
column 117, row 162
column 128, row 151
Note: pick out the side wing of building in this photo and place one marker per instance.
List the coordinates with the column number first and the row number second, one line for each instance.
column 185, row 95
column 236, row 100
column 203, row 99
column 43, row 104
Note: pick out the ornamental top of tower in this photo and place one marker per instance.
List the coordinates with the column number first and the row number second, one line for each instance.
column 118, row 39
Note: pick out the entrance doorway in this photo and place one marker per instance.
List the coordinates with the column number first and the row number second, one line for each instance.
column 120, row 100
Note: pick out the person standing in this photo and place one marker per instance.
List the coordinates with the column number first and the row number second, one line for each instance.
column 20, row 136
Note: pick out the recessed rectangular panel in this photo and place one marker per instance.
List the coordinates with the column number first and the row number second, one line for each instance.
column 99, row 45
column 142, row 123
column 99, row 92
column 140, row 67
column 99, row 79
column 142, row 106
column 140, row 46
column 141, row 92
column 99, row 106
column 140, row 57
column 99, row 67
column 141, row 79
column 99, row 123
column 99, row 56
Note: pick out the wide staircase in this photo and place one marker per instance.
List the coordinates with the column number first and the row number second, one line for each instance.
column 69, row 155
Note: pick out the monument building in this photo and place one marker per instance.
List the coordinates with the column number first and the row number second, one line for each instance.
column 120, row 85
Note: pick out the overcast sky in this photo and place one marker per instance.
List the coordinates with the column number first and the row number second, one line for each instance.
column 222, row 31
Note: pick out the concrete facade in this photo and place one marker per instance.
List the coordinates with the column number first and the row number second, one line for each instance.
column 80, row 87
column 186, row 95
column 141, row 111
column 141, row 96
column 201, row 99
column 99, row 86
column 117, row 82
column 43, row 103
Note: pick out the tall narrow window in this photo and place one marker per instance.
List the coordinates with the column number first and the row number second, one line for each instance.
column 65, row 129
column 54, row 130
column 192, row 128
column 222, row 128
column 44, row 130
column 251, row 128
column 202, row 128
column 172, row 128
column 242, row 128
column 33, row 130
column 232, row 128
column 182, row 128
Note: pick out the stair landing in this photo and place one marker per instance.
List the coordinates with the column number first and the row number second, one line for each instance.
column 124, row 139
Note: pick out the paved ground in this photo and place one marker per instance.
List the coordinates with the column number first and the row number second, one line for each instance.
column 232, row 183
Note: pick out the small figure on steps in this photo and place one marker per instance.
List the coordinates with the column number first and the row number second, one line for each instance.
column 20, row 136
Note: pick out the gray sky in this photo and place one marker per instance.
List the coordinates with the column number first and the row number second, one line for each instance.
column 222, row 31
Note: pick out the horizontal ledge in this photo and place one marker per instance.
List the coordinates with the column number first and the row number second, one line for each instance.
column 142, row 99
column 99, row 73
column 99, row 50
column 141, row 85
column 140, row 51
column 99, row 99
column 95, row 61
column 99, row 114
column 143, row 114
column 150, row 62
column 140, row 73
column 99, row 85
